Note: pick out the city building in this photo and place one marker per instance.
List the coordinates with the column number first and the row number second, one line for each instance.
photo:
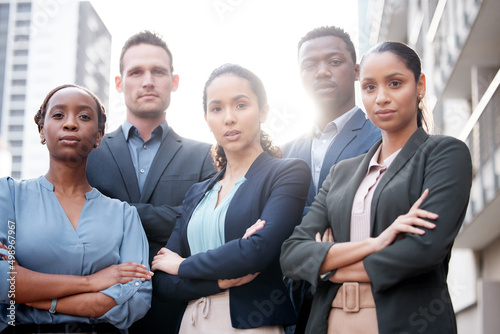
column 459, row 42
column 44, row 44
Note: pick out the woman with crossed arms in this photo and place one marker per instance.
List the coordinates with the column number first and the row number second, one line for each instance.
column 377, row 240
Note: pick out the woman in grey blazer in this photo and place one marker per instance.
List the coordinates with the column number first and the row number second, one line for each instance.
column 377, row 240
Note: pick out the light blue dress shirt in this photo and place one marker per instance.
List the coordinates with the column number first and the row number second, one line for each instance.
column 143, row 153
column 205, row 230
column 35, row 226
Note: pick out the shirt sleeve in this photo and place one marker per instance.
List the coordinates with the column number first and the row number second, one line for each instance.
column 133, row 299
column 239, row 257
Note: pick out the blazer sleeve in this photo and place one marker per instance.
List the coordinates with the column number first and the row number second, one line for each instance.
column 159, row 221
column 282, row 211
column 448, row 176
column 301, row 256
column 172, row 287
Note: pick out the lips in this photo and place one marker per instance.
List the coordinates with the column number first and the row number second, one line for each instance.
column 324, row 86
column 69, row 139
column 231, row 133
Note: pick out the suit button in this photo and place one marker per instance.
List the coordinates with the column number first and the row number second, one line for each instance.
column 142, row 171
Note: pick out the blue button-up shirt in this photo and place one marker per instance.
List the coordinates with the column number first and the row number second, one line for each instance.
column 40, row 236
column 141, row 152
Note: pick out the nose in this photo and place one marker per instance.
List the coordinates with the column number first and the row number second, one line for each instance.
column 70, row 124
column 322, row 70
column 382, row 97
column 147, row 79
column 229, row 118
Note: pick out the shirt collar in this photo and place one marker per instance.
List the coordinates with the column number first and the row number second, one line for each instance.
column 387, row 162
column 130, row 130
column 337, row 124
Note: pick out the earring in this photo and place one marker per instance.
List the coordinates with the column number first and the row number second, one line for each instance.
column 420, row 102
column 42, row 141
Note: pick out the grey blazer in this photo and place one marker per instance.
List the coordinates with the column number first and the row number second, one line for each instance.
column 408, row 277
column 179, row 164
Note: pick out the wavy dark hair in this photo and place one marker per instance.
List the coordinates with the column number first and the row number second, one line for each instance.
column 101, row 112
column 412, row 61
column 218, row 154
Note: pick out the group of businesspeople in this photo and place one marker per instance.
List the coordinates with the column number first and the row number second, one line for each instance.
column 346, row 229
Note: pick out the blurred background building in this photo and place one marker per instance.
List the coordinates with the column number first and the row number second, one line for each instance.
column 459, row 42
column 44, row 44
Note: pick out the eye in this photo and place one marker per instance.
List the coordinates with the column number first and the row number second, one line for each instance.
column 135, row 73
column 241, row 105
column 369, row 87
column 215, row 109
column 85, row 117
column 159, row 72
column 57, row 114
column 335, row 62
column 308, row 66
column 394, row 83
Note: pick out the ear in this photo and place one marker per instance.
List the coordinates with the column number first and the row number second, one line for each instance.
column 118, row 84
column 263, row 113
column 175, row 82
column 98, row 139
column 42, row 135
column 356, row 72
column 421, row 86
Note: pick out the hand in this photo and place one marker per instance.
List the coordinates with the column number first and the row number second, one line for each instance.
column 406, row 224
column 167, row 261
column 118, row 274
column 229, row 283
column 254, row 228
column 327, row 236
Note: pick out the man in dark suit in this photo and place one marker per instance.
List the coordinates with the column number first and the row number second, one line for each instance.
column 328, row 69
column 144, row 162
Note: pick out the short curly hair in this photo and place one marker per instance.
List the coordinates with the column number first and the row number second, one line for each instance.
column 101, row 112
column 330, row 31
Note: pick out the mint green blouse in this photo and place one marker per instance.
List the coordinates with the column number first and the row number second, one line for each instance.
column 205, row 229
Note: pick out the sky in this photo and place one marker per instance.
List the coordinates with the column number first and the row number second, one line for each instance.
column 260, row 35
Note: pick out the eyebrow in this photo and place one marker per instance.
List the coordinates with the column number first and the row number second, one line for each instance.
column 330, row 54
column 64, row 106
column 236, row 98
column 386, row 77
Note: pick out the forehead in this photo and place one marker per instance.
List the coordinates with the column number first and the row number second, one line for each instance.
column 145, row 55
column 323, row 46
column 229, row 84
column 70, row 95
column 382, row 62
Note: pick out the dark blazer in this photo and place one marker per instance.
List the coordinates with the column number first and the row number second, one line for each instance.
column 275, row 190
column 178, row 164
column 408, row 277
column 355, row 138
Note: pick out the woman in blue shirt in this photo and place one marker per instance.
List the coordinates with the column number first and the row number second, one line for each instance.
column 73, row 259
column 218, row 258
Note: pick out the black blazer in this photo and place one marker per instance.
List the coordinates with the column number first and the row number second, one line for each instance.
column 178, row 164
column 408, row 277
column 275, row 191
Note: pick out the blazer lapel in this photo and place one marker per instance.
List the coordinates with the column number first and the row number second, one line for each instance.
column 168, row 148
column 341, row 142
column 120, row 152
column 348, row 198
column 399, row 162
